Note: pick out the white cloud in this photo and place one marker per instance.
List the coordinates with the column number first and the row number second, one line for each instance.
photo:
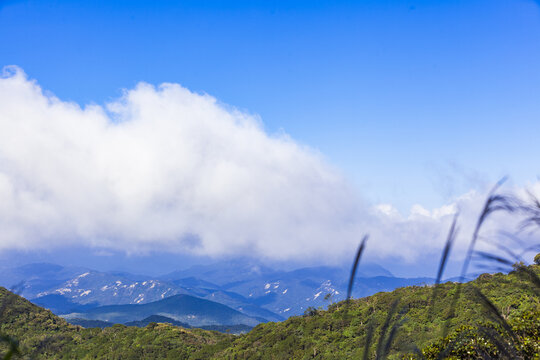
column 167, row 169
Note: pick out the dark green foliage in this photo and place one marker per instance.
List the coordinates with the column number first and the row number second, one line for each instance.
column 12, row 347
column 487, row 340
column 156, row 341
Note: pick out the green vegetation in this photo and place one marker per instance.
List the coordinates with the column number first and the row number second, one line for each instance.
column 411, row 317
column 341, row 331
column 43, row 335
column 487, row 341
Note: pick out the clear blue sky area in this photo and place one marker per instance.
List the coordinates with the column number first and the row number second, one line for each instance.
column 416, row 101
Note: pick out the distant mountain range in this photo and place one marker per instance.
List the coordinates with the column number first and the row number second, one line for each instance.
column 186, row 309
column 90, row 289
column 258, row 293
column 289, row 293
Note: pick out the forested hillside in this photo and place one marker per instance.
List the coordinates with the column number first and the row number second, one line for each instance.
column 410, row 318
column 497, row 316
column 42, row 335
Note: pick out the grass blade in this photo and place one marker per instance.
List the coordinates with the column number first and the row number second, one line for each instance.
column 355, row 266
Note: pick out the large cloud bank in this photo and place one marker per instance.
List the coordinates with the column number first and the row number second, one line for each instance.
column 170, row 170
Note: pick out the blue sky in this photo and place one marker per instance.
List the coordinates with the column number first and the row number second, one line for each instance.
column 414, row 101
column 396, row 93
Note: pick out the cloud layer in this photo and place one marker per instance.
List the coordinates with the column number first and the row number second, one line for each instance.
column 166, row 169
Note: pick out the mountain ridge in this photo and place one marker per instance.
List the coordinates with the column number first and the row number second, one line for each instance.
column 183, row 308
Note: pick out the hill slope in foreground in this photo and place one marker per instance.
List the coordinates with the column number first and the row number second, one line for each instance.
column 495, row 316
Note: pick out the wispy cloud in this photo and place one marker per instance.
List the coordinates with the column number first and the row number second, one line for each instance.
column 166, row 169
